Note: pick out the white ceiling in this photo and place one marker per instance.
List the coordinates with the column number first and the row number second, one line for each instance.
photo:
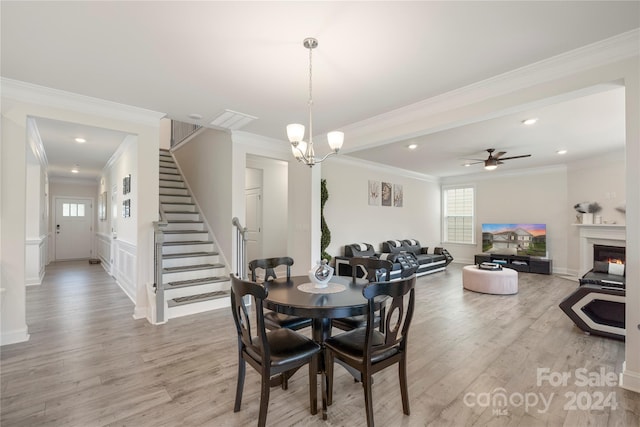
column 182, row 58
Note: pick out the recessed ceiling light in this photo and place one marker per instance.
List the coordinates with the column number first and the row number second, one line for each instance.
column 195, row 116
column 466, row 165
column 530, row 121
column 412, row 146
column 80, row 140
column 561, row 152
column 75, row 169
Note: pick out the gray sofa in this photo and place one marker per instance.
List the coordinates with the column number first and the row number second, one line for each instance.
column 407, row 256
column 400, row 253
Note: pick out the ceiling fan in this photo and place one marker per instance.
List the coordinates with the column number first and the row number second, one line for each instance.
column 494, row 160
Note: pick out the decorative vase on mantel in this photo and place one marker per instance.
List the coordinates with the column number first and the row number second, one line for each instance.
column 587, row 218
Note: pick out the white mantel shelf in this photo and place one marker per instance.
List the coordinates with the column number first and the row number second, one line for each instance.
column 622, row 226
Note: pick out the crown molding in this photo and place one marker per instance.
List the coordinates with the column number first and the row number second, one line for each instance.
column 611, row 50
column 124, row 145
column 262, row 145
column 487, row 175
column 41, row 95
column 380, row 168
column 74, row 181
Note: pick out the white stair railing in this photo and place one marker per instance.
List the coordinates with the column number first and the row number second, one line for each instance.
column 241, row 249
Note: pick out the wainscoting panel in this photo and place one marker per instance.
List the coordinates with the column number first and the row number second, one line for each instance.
column 104, row 250
column 124, row 268
column 36, row 260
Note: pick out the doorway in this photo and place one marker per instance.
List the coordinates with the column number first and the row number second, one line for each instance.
column 253, row 206
column 73, row 227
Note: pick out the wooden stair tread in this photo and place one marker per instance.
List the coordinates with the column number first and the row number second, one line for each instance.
column 198, row 298
column 188, row 242
column 194, row 282
column 184, row 268
column 188, row 255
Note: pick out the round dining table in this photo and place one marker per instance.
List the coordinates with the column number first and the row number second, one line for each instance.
column 321, row 305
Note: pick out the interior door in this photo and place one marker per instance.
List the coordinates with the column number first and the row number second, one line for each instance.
column 253, row 203
column 73, row 224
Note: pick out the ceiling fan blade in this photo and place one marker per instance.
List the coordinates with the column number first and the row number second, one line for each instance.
column 474, row 163
column 501, row 153
column 516, row 157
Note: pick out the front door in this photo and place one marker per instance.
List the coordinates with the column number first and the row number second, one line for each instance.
column 73, row 224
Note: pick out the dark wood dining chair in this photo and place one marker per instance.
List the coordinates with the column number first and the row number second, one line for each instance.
column 367, row 349
column 270, row 353
column 374, row 269
column 272, row 319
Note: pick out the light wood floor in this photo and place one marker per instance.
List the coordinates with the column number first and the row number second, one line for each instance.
column 89, row 363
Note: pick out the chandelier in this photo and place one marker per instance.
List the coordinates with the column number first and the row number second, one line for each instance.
column 303, row 151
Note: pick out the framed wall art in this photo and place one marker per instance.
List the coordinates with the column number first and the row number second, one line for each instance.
column 126, row 184
column 387, row 193
column 374, row 193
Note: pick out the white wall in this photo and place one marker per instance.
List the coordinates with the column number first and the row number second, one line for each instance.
column 205, row 165
column 527, row 196
column 275, row 219
column 600, row 180
column 118, row 237
column 12, row 215
column 303, row 198
column 351, row 220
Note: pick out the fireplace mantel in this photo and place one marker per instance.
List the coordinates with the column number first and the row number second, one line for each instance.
column 598, row 234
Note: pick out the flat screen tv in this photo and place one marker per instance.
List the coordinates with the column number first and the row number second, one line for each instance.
column 515, row 239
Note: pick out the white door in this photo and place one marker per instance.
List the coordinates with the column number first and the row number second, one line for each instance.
column 73, row 224
column 253, row 203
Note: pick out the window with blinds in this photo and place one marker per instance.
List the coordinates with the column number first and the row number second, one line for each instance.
column 458, row 214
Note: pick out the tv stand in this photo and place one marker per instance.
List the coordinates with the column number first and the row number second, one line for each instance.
column 522, row 263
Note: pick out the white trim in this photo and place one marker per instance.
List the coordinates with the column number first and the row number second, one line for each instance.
column 41, row 95
column 13, row 337
column 629, row 380
column 378, row 167
column 597, row 54
column 485, row 175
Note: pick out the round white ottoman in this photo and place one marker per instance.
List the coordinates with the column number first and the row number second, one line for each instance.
column 497, row 282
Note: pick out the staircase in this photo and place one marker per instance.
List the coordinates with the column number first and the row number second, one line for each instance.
column 193, row 278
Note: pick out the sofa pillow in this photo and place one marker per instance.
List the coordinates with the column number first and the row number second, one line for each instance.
column 359, row 249
column 600, row 267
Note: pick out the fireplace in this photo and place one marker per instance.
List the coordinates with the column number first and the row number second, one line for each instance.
column 609, row 235
column 609, row 254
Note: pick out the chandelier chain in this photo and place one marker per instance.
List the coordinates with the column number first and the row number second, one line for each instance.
column 310, row 95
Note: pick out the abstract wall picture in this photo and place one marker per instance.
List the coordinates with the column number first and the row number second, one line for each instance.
column 126, row 208
column 374, row 193
column 126, row 184
column 387, row 193
column 397, row 195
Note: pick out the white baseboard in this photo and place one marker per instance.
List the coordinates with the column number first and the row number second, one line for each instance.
column 14, row 337
column 629, row 380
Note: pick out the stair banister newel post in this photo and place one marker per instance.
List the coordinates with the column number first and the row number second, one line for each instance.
column 241, row 249
column 158, row 227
